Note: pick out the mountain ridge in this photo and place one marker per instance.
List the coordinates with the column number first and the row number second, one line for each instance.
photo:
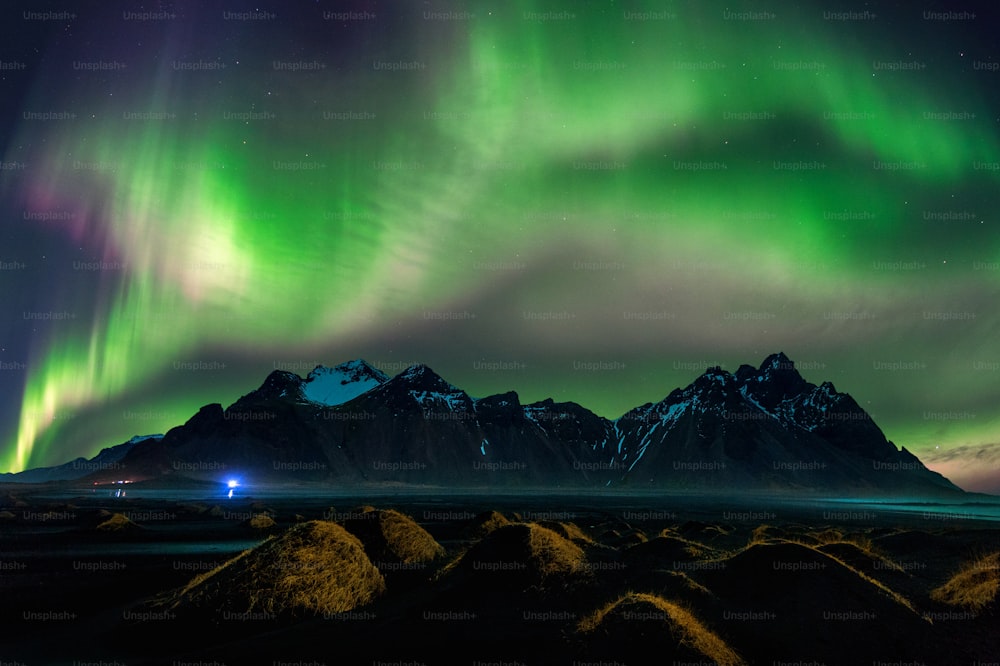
column 763, row 428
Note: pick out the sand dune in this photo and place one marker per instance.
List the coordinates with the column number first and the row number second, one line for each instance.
column 489, row 585
column 390, row 537
column 643, row 626
column 313, row 568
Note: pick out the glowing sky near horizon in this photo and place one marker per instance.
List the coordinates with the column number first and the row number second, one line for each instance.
column 507, row 193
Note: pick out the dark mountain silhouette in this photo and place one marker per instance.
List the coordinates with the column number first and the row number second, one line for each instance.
column 108, row 460
column 762, row 428
column 765, row 427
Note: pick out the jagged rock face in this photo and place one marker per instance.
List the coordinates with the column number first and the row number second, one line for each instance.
column 765, row 428
column 280, row 384
column 760, row 428
column 418, row 428
column 324, row 386
column 775, row 381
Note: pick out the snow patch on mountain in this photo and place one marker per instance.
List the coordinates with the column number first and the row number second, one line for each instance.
column 335, row 386
column 643, row 445
column 531, row 413
column 544, row 413
column 674, row 411
column 143, row 438
column 455, row 402
column 753, row 401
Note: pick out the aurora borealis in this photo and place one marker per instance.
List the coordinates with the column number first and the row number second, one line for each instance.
column 591, row 201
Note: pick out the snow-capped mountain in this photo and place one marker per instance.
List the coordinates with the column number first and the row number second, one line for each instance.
column 335, row 386
column 418, row 428
column 419, row 385
column 762, row 428
column 323, row 385
column 765, row 427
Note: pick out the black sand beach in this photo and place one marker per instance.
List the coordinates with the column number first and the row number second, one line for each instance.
column 528, row 579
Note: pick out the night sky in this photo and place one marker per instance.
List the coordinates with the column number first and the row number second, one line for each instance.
column 591, row 201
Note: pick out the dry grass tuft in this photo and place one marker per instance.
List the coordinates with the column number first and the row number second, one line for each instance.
column 764, row 533
column 553, row 553
column 261, row 521
column 857, row 557
column 391, row 536
column 669, row 546
column 632, row 537
column 974, row 586
column 406, row 539
column 118, row 522
column 486, row 522
column 567, row 530
column 812, row 550
column 316, row 567
column 191, row 590
column 828, row 535
column 677, row 621
column 827, row 541
column 527, row 552
column 834, row 536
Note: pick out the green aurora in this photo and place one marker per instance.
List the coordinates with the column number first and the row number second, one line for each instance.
column 512, row 197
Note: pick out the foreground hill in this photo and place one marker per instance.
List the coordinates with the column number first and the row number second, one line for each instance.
column 435, row 581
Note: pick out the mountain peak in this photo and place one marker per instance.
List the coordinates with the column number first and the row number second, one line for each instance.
column 141, row 438
column 775, row 381
column 418, row 371
column 779, row 369
column 278, row 384
column 714, row 378
column 341, row 383
column 777, row 361
column 356, row 368
column 716, row 373
column 422, row 377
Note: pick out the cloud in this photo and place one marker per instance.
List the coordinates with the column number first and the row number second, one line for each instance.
column 974, row 467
